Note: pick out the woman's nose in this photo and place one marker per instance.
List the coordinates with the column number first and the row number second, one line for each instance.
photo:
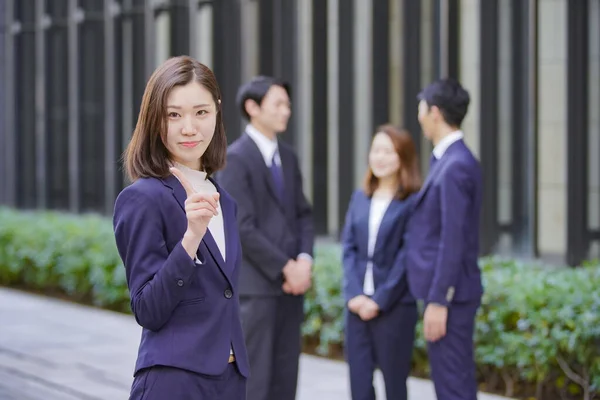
column 188, row 127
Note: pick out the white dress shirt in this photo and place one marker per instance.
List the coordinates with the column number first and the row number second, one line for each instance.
column 379, row 205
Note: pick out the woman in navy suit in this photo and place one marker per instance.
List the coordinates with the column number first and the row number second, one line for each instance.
column 176, row 233
column 381, row 314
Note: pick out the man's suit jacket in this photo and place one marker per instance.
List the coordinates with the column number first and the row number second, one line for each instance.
column 272, row 232
column 387, row 259
column 443, row 232
column 189, row 311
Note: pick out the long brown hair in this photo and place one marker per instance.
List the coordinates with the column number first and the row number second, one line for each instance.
column 409, row 176
column 147, row 154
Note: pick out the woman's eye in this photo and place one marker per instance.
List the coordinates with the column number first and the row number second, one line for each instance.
column 173, row 115
column 202, row 112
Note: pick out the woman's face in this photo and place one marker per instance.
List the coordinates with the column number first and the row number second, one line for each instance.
column 383, row 158
column 192, row 118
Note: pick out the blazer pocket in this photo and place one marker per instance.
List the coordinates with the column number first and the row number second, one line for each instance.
column 191, row 302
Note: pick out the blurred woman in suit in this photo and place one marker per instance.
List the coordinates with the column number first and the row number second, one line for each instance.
column 380, row 313
column 177, row 235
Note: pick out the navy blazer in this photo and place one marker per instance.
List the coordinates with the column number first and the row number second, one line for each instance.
column 443, row 233
column 189, row 312
column 388, row 261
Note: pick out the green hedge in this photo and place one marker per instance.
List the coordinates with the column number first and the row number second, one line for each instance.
column 538, row 330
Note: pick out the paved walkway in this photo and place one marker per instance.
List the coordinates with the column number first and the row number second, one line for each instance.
column 55, row 350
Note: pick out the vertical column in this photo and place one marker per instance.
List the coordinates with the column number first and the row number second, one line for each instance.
column 143, row 48
column 57, row 102
column 9, row 171
column 278, row 45
column 380, row 58
column 363, row 89
column 411, row 56
column 453, row 37
column 204, row 29
column 149, row 38
column 5, row 31
column 25, row 102
column 285, row 45
column 594, row 127
column 110, row 100
column 41, row 165
column 302, row 95
column 577, row 128
column 524, row 127
column 91, row 92
column 266, row 31
column 181, row 27
column 333, row 116
column 74, row 18
column 489, row 123
column 227, row 60
column 320, row 147
column 446, row 31
column 346, row 89
column 250, row 31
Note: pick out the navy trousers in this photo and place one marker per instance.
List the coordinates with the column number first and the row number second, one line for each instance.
column 385, row 342
column 161, row 383
column 452, row 358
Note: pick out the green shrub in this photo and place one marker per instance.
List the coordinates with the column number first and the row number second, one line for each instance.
column 537, row 334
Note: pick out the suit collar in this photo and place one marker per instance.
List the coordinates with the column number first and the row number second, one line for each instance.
column 446, row 142
column 228, row 223
column 266, row 146
column 453, row 149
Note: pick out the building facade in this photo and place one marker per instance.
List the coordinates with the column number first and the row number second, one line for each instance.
column 73, row 72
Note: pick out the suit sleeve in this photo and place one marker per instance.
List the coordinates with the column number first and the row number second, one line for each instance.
column 261, row 252
column 156, row 278
column 395, row 286
column 455, row 203
column 304, row 216
column 351, row 284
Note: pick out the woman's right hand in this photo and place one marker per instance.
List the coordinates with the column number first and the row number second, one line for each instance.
column 199, row 209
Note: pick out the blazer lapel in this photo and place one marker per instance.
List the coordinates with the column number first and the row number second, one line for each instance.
column 229, row 224
column 364, row 212
column 208, row 240
column 259, row 161
column 288, row 176
column 387, row 222
column 430, row 177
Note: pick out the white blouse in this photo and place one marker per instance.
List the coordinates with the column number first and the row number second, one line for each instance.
column 379, row 205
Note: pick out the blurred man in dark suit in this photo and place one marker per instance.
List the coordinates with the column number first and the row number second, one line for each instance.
column 276, row 230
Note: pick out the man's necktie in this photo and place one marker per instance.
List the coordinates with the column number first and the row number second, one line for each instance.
column 277, row 173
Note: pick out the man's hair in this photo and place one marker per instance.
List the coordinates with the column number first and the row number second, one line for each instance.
column 256, row 90
column 147, row 154
column 450, row 97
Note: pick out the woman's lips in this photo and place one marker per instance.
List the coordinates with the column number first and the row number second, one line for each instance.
column 189, row 144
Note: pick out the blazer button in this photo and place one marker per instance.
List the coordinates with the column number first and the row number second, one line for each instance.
column 180, row 283
column 228, row 293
